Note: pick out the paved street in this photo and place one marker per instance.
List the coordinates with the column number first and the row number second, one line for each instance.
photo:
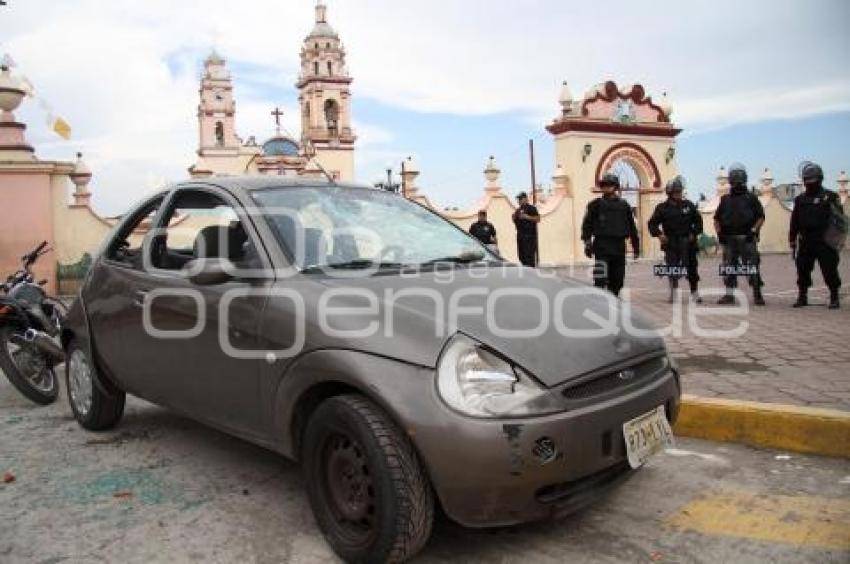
column 162, row 488
column 786, row 355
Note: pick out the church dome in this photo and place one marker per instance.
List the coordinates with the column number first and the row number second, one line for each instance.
column 214, row 58
column 323, row 29
column 280, row 147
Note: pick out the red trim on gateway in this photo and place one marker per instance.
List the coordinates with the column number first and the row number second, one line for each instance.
column 612, row 127
column 636, row 95
column 657, row 180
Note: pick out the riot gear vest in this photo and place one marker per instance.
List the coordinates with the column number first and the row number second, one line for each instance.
column 610, row 217
column 738, row 213
column 676, row 220
column 812, row 211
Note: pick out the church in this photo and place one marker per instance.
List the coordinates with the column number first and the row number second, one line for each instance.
column 327, row 140
column 610, row 128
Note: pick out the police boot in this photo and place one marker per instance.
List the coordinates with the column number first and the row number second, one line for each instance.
column 802, row 298
column 728, row 299
column 833, row 299
column 758, row 299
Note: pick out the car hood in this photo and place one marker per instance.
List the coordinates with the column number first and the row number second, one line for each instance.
column 555, row 328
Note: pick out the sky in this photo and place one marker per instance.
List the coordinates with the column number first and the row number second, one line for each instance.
column 766, row 83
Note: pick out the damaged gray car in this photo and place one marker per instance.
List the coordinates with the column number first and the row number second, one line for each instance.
column 399, row 361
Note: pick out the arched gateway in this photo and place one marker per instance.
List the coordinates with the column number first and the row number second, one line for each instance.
column 614, row 130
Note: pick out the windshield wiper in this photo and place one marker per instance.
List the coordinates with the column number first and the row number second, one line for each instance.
column 358, row 264
column 462, row 258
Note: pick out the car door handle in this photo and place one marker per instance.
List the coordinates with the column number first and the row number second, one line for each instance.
column 139, row 298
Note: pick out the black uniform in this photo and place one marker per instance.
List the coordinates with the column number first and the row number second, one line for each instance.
column 737, row 214
column 484, row 232
column 526, row 235
column 809, row 221
column 681, row 223
column 608, row 222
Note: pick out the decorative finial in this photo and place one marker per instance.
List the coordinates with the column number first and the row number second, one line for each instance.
column 321, row 12
column 565, row 99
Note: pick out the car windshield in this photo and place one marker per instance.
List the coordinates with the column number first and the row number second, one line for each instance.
column 352, row 228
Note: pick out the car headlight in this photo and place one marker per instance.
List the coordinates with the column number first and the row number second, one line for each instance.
column 474, row 381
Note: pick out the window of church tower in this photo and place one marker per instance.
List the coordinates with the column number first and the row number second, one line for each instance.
column 316, row 68
column 332, row 115
column 219, row 134
column 330, row 68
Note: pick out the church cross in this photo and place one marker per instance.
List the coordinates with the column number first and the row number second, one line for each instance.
column 277, row 113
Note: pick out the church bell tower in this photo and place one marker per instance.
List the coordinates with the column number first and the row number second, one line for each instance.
column 325, row 98
column 216, row 109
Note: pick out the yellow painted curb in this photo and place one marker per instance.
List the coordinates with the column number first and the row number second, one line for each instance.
column 787, row 427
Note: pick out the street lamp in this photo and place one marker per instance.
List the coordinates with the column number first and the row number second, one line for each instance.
column 389, row 185
column 586, row 151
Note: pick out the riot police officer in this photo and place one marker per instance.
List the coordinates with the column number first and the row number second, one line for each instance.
column 737, row 220
column 607, row 223
column 484, row 231
column 809, row 222
column 526, row 217
column 677, row 223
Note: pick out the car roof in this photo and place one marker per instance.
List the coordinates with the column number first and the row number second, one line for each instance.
column 259, row 182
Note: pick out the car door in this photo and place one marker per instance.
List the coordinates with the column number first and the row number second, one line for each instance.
column 112, row 296
column 197, row 347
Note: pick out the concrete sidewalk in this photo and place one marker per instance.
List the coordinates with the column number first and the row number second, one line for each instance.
column 784, row 383
column 787, row 356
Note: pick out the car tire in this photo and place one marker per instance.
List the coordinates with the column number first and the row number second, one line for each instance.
column 369, row 492
column 94, row 408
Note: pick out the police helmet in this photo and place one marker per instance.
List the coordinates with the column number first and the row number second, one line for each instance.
column 737, row 174
column 801, row 166
column 812, row 171
column 610, row 180
column 677, row 184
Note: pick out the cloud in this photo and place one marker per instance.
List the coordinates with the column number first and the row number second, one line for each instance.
column 705, row 114
column 125, row 73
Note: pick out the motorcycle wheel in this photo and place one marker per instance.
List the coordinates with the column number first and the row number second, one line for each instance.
column 27, row 369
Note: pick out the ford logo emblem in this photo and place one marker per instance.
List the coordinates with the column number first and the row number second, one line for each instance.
column 626, row 375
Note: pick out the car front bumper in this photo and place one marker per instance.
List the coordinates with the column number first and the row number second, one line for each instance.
column 501, row 472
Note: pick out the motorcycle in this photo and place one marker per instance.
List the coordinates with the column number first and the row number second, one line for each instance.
column 30, row 321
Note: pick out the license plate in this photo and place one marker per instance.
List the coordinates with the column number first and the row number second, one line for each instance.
column 647, row 435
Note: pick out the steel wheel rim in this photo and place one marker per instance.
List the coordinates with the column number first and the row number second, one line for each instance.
column 80, row 382
column 348, row 487
column 42, row 377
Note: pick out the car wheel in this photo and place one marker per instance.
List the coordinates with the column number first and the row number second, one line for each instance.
column 93, row 408
column 368, row 490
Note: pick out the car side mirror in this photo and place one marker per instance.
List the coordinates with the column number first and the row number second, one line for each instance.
column 210, row 271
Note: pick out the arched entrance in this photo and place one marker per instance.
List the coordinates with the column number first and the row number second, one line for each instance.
column 640, row 184
column 619, row 130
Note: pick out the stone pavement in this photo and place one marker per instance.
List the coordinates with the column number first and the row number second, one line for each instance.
column 160, row 488
column 786, row 355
